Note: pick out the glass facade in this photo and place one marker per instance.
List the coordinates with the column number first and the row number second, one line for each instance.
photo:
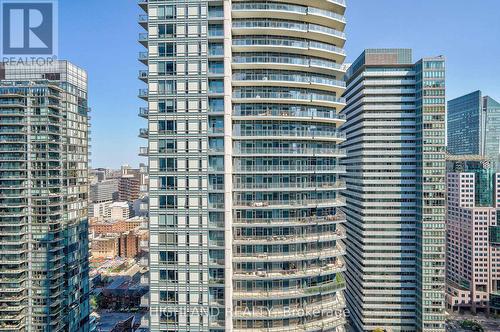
column 395, row 194
column 251, row 184
column 43, row 197
column 474, row 126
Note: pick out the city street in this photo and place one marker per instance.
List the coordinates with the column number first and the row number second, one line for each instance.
column 489, row 324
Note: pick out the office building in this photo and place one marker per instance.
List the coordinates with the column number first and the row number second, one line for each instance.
column 43, row 197
column 473, row 235
column 106, row 190
column 395, row 191
column 243, row 106
column 474, row 126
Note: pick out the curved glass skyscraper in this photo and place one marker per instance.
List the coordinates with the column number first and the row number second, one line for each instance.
column 243, row 131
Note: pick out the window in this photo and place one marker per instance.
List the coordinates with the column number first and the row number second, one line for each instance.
column 166, row 68
column 166, row 49
column 170, row 182
column 216, row 67
column 166, row 30
column 167, row 145
column 216, row 86
column 166, row 12
column 167, row 219
column 166, row 87
column 169, row 297
column 216, row 105
column 216, row 144
column 167, row 126
column 168, row 201
column 215, row 30
column 216, row 49
column 168, row 164
column 168, row 256
column 166, row 106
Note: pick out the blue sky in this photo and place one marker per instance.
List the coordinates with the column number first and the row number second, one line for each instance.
column 101, row 36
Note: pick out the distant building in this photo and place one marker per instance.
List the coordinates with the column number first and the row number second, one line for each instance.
column 124, row 238
column 473, row 235
column 100, row 210
column 105, row 246
column 97, row 175
column 124, row 292
column 119, row 210
column 474, row 126
column 117, row 226
column 106, row 190
column 128, row 187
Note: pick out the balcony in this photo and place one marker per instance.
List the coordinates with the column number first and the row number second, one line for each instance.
column 283, row 134
column 289, row 169
column 306, row 254
column 143, row 94
column 281, row 151
column 273, row 78
column 143, row 57
column 143, row 133
column 289, row 11
column 292, row 95
column 143, row 151
column 292, row 273
column 144, row 112
column 289, row 28
column 293, row 62
column 143, row 21
column 289, row 186
column 143, row 39
column 334, row 323
column 143, row 75
column 143, row 4
column 310, row 309
column 329, row 287
column 290, row 239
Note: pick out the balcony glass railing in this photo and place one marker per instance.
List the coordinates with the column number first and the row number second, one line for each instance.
column 278, row 93
column 287, row 8
column 287, row 25
column 294, row 111
column 215, row 31
column 291, row 133
column 215, row 12
column 287, row 150
column 306, row 253
column 265, row 41
column 285, row 77
column 338, row 217
column 290, row 185
column 289, row 168
column 292, row 60
column 143, row 112
column 289, row 202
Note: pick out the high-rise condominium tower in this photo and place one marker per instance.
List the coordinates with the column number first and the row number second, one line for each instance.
column 43, row 197
column 243, row 115
column 395, row 191
column 474, row 126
